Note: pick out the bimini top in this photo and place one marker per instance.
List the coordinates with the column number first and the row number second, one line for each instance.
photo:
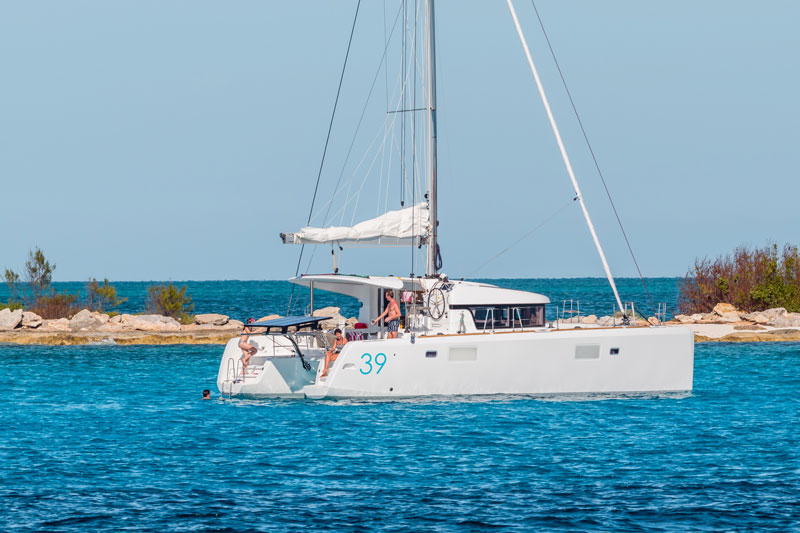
column 288, row 322
column 350, row 285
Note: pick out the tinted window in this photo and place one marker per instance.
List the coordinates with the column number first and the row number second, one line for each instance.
column 506, row 317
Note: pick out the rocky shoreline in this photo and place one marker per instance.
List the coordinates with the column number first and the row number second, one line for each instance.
column 724, row 324
column 91, row 327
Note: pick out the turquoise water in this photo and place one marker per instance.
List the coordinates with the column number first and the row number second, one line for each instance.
column 113, row 437
column 242, row 299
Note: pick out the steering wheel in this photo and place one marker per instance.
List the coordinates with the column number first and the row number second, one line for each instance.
column 436, row 303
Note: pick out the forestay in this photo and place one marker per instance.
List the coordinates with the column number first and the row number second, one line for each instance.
column 402, row 227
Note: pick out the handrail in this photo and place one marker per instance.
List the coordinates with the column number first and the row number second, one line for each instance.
column 515, row 310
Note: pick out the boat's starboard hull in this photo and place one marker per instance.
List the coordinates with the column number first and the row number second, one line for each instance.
column 578, row 361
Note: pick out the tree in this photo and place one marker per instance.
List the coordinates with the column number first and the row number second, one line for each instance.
column 35, row 289
column 102, row 297
column 38, row 277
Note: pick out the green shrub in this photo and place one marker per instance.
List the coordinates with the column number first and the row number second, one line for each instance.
column 11, row 304
column 752, row 280
column 169, row 300
column 103, row 297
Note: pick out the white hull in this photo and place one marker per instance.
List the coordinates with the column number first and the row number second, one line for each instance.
column 567, row 361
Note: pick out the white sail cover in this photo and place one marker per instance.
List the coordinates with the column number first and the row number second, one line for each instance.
column 404, row 226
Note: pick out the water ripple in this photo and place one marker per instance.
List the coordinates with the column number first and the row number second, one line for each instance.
column 115, row 437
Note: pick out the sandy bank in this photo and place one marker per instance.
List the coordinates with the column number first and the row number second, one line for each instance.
column 124, row 337
column 742, row 332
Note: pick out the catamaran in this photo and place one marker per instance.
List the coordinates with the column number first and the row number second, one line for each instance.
column 457, row 337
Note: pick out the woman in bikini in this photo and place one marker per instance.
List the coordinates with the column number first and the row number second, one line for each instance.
column 332, row 354
column 247, row 349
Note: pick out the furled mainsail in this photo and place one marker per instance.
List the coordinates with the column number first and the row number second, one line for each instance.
column 401, row 227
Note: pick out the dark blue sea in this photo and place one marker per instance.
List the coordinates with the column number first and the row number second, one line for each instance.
column 243, row 299
column 117, row 438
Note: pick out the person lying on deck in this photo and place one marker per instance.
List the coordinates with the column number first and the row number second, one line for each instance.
column 332, row 354
column 247, row 349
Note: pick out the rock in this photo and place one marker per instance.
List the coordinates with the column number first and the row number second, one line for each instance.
column 775, row 312
column 265, row 318
column 190, row 327
column 10, row 319
column 332, row 323
column 212, row 319
column 326, row 311
column 234, row 324
column 110, row 326
column 750, row 327
column 605, row 321
column 591, row 319
column 696, row 318
column 788, row 320
column 116, row 319
column 722, row 308
column 732, row 316
column 653, row 321
column 58, row 324
column 149, row 323
column 336, row 320
column 757, row 317
column 31, row 320
column 350, row 322
column 87, row 320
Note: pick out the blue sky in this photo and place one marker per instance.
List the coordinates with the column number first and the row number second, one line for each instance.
column 175, row 140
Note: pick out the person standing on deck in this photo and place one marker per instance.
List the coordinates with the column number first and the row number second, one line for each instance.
column 392, row 314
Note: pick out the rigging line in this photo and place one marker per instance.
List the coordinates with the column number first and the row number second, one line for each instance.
column 327, row 139
column 537, row 227
column 413, row 66
column 347, row 198
column 591, row 151
column 363, row 112
column 385, row 44
column 367, row 173
column 358, row 128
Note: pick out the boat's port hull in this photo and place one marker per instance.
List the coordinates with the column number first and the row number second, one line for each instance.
column 579, row 361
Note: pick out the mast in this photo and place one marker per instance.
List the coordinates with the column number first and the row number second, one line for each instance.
column 564, row 156
column 433, row 247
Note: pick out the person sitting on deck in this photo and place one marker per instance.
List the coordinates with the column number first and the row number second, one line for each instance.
column 392, row 314
column 247, row 349
column 331, row 355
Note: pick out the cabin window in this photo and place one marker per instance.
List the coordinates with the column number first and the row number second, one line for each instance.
column 505, row 316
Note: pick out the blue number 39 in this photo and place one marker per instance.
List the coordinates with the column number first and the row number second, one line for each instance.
column 368, row 364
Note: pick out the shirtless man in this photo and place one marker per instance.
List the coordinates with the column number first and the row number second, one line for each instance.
column 392, row 314
column 331, row 355
column 247, row 349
